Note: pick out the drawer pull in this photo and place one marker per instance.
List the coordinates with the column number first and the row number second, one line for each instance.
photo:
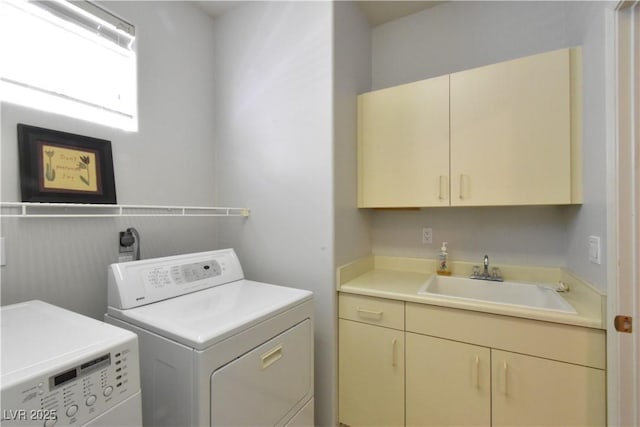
column 271, row 356
column 363, row 312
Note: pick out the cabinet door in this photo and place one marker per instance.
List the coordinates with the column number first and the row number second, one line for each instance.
column 371, row 375
column 510, row 132
column 530, row 391
column 448, row 383
column 403, row 145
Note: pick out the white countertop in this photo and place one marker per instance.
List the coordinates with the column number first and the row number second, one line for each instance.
column 400, row 278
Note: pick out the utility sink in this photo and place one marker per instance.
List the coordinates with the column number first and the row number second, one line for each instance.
column 528, row 295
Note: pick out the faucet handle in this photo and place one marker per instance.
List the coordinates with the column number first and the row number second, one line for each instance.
column 496, row 274
column 475, row 271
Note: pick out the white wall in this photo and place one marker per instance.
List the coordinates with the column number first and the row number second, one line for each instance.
column 274, row 136
column 168, row 162
column 459, row 35
column 592, row 218
column 509, row 235
column 352, row 75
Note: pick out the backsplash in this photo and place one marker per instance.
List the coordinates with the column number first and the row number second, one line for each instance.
column 521, row 235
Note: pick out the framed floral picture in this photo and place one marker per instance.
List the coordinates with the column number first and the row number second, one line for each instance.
column 61, row 167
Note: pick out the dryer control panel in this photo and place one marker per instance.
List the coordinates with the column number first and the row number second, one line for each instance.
column 132, row 284
column 181, row 274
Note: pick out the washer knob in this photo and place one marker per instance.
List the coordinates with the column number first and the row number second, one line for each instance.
column 91, row 400
column 72, row 410
column 107, row 391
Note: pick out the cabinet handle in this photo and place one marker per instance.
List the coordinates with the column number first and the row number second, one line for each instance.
column 462, row 194
column 363, row 312
column 475, row 374
column 443, row 194
column 394, row 352
column 503, row 382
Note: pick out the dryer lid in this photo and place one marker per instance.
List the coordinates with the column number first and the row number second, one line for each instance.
column 201, row 319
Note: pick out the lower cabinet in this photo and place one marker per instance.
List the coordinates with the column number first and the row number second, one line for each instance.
column 534, row 391
column 448, row 383
column 371, row 375
column 451, row 367
column 371, row 361
column 453, row 384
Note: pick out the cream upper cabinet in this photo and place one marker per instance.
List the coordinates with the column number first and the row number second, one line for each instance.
column 511, row 132
column 371, row 361
column 503, row 134
column 403, row 145
column 448, row 383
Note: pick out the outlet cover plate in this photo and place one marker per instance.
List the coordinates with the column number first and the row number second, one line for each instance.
column 427, row 235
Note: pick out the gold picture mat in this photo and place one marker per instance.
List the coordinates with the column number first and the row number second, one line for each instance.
column 61, row 167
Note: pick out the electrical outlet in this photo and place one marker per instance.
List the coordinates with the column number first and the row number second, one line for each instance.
column 125, row 246
column 594, row 250
column 427, row 236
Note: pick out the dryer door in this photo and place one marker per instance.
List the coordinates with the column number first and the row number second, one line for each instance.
column 267, row 385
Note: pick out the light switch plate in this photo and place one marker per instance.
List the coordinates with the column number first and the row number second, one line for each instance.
column 3, row 253
column 594, row 250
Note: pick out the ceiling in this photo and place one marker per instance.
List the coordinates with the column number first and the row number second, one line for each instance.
column 217, row 8
column 377, row 12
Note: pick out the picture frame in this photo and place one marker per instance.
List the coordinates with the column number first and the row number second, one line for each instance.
column 62, row 167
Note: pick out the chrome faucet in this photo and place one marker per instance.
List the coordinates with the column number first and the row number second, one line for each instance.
column 494, row 275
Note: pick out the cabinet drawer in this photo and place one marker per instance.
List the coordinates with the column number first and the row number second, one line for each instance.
column 375, row 311
column 543, row 339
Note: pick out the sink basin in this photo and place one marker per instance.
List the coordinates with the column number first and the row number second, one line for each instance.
column 527, row 295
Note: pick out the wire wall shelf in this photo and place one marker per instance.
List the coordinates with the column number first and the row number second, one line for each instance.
column 77, row 210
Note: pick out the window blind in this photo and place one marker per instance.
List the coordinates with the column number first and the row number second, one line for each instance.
column 73, row 58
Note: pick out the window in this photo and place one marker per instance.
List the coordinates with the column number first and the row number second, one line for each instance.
column 71, row 58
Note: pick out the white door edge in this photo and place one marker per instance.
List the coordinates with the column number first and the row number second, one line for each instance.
column 623, row 290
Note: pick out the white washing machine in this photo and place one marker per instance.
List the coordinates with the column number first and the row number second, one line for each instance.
column 215, row 349
column 60, row 368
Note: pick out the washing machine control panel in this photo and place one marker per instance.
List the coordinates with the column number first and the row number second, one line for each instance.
column 76, row 393
column 132, row 284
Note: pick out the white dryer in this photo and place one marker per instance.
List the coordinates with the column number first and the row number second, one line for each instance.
column 215, row 349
